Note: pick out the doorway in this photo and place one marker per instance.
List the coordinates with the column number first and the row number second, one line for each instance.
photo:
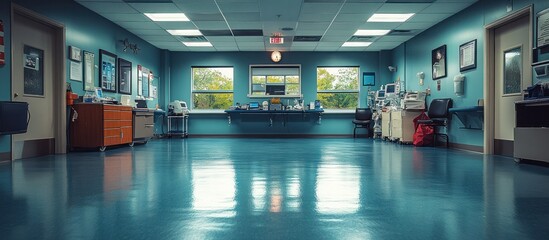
column 38, row 78
column 508, row 72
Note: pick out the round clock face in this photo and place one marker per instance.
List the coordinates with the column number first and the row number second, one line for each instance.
column 276, row 56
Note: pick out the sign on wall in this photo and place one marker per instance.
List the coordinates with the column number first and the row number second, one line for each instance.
column 2, row 48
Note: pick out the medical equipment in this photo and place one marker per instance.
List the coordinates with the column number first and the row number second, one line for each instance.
column 178, row 108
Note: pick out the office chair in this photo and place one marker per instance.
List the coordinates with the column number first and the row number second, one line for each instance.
column 439, row 117
column 363, row 117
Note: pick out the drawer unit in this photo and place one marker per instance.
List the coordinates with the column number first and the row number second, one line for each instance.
column 101, row 125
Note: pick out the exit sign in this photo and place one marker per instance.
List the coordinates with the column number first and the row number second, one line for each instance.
column 277, row 40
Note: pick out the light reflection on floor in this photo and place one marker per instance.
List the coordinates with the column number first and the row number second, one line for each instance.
column 299, row 189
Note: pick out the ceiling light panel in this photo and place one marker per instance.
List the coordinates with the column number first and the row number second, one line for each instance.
column 390, row 17
column 186, row 32
column 356, row 44
column 371, row 32
column 167, row 17
column 197, row 44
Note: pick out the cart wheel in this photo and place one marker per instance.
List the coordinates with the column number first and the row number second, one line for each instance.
column 518, row 160
column 131, row 144
column 102, row 148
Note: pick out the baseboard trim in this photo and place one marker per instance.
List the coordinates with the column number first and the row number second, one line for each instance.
column 504, row 147
column 271, row 135
column 460, row 146
column 5, row 157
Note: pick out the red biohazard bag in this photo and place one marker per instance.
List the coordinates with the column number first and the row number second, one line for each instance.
column 424, row 133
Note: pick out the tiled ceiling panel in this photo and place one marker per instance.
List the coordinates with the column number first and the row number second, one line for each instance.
column 224, row 21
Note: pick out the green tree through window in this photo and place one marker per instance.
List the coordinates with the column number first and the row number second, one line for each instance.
column 212, row 87
column 337, row 87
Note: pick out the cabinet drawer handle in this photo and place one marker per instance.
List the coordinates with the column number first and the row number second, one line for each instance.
column 149, row 125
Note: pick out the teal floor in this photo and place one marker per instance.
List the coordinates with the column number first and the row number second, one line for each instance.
column 220, row 188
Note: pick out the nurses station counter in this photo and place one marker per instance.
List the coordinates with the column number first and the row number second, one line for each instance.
column 274, row 113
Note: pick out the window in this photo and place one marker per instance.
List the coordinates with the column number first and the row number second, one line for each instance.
column 280, row 80
column 212, row 87
column 337, row 87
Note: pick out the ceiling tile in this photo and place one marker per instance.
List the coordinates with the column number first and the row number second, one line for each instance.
column 155, row 7
column 424, row 17
column 211, row 25
column 249, row 39
column 402, row 7
column 251, row 44
column 327, row 49
column 360, row 8
column 394, row 38
column 224, row 44
column 176, row 25
column 239, row 7
column 313, row 25
column 193, row 6
column 318, row 17
column 249, row 49
column 314, row 8
column 335, row 38
column 249, row 16
column 226, row 49
column 205, row 16
column 220, row 39
column 134, row 17
column 330, row 44
column 148, row 32
column 109, row 7
column 304, row 44
column 245, row 25
column 301, row 48
column 351, row 17
column 138, row 25
column 446, row 7
column 309, row 32
column 415, row 25
column 159, row 38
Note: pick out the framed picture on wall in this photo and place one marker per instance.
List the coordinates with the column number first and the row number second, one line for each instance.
column 107, row 71
column 438, row 59
column 468, row 55
column 124, row 76
column 89, row 71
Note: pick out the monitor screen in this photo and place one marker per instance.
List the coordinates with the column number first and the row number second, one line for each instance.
column 390, row 88
column 99, row 92
column 368, row 79
column 275, row 90
column 254, row 105
column 380, row 94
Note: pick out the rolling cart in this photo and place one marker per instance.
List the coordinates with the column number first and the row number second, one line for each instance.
column 174, row 123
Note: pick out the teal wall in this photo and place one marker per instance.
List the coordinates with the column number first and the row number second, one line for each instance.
column 180, row 88
column 87, row 31
column 5, row 72
column 467, row 25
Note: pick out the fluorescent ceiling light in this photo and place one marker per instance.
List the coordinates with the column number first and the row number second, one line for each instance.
column 197, row 44
column 194, row 32
column 371, row 32
column 356, row 44
column 167, row 17
column 390, row 17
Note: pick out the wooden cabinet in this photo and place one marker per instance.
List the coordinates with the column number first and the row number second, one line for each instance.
column 101, row 125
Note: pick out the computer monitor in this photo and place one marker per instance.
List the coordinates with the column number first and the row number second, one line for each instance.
column 275, row 90
column 380, row 95
column 391, row 89
column 99, row 92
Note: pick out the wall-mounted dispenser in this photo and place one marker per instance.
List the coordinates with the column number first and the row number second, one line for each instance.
column 421, row 76
column 541, row 70
column 458, row 84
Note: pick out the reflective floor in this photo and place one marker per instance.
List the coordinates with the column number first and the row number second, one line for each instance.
column 273, row 189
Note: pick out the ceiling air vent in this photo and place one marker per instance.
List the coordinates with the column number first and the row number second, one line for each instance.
column 247, row 32
column 307, row 38
column 216, row 33
column 402, row 32
column 192, row 38
column 361, row 39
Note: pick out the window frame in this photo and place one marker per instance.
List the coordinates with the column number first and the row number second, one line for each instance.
column 357, row 91
column 285, row 82
column 209, row 91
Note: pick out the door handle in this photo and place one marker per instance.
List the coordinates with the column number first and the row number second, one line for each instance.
column 15, row 95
